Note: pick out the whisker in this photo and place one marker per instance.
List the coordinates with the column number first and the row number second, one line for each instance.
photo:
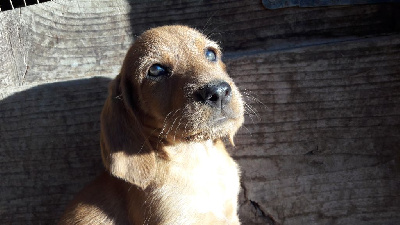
column 251, row 96
column 251, row 118
column 253, row 111
column 249, row 132
column 211, row 33
column 165, row 123
column 171, row 127
column 208, row 23
column 185, row 128
column 141, row 148
column 176, row 130
column 251, row 108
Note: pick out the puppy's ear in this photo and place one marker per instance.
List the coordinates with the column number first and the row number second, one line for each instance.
column 125, row 150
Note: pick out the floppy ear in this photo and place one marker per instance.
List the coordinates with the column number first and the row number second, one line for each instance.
column 125, row 150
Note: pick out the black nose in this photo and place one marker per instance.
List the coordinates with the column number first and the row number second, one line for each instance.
column 215, row 94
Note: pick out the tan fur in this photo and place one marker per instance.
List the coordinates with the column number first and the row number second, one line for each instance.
column 162, row 149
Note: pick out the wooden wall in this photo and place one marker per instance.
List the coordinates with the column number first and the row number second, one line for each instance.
column 321, row 141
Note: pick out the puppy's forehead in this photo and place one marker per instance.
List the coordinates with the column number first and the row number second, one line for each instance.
column 175, row 39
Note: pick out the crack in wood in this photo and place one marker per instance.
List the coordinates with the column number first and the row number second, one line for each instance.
column 269, row 219
column 258, row 211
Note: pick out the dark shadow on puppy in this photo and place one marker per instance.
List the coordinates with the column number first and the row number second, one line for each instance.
column 49, row 148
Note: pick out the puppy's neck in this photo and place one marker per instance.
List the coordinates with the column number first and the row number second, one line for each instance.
column 182, row 146
column 204, row 180
column 184, row 152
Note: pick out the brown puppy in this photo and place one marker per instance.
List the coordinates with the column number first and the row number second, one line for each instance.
column 161, row 127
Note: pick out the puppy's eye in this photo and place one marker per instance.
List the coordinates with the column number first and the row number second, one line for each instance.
column 157, row 70
column 211, row 55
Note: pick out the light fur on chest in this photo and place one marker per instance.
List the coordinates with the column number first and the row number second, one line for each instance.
column 201, row 180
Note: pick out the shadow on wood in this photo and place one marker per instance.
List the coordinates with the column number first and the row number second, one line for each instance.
column 325, row 151
column 49, row 148
column 248, row 26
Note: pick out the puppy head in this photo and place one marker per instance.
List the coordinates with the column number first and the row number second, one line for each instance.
column 173, row 87
column 180, row 87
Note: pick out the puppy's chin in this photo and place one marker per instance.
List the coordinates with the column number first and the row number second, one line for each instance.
column 215, row 129
column 203, row 122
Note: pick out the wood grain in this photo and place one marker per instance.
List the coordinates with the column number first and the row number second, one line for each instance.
column 321, row 140
column 49, row 148
column 324, row 144
column 61, row 40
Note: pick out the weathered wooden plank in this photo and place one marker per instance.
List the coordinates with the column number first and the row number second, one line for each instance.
column 49, row 148
column 276, row 4
column 360, row 195
column 309, row 157
column 324, row 150
column 12, row 50
column 324, row 145
column 59, row 44
column 61, row 40
column 317, row 91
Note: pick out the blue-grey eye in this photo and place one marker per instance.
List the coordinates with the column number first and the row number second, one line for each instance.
column 157, row 70
column 211, row 55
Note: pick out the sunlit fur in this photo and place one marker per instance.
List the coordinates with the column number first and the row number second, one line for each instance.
column 162, row 149
column 180, row 113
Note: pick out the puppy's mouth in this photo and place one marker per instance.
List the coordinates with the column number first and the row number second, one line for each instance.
column 222, row 117
column 215, row 127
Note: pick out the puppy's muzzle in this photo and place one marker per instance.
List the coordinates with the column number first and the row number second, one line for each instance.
column 215, row 94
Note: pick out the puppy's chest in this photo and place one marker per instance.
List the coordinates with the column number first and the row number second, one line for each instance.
column 203, row 178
